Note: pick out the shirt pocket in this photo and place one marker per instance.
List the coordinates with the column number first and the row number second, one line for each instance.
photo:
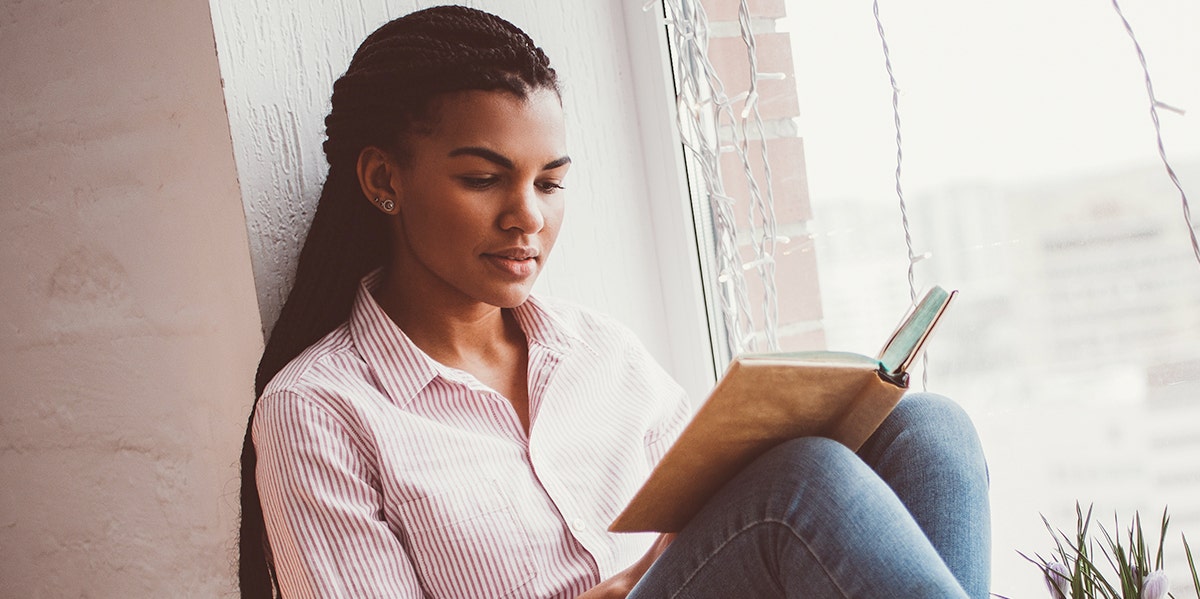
column 468, row 543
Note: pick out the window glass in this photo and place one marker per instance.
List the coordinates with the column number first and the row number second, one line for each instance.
column 1034, row 187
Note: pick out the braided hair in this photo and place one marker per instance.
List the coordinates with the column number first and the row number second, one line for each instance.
column 387, row 93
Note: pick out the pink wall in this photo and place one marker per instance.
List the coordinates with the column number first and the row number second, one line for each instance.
column 129, row 330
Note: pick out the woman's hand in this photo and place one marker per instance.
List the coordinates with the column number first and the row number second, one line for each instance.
column 619, row 585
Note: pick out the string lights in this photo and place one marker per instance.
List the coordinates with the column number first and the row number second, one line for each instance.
column 709, row 127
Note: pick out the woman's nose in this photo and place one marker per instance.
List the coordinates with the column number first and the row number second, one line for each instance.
column 523, row 211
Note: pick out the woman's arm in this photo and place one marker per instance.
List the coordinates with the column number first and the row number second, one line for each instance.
column 324, row 516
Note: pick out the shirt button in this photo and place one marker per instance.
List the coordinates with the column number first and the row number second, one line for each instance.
column 578, row 524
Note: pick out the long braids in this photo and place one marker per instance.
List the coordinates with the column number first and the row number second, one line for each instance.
column 387, row 89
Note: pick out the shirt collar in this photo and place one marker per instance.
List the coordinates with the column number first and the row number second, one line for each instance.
column 399, row 366
column 402, row 369
column 544, row 327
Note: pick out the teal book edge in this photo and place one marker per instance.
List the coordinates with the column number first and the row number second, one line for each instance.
column 906, row 344
column 902, row 348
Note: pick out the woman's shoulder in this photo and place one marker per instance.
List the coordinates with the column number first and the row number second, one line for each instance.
column 331, row 362
column 327, row 385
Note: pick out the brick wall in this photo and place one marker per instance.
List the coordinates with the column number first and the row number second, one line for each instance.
column 800, row 325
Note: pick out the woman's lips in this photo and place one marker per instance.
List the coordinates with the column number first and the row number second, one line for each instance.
column 516, row 267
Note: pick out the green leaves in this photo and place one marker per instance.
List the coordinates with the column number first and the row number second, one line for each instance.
column 1191, row 564
column 1071, row 570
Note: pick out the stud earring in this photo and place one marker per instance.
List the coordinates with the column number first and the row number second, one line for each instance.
column 385, row 204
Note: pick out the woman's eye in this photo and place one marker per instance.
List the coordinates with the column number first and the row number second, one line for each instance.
column 478, row 182
column 549, row 187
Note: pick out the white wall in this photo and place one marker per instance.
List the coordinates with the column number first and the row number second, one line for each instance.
column 129, row 332
column 279, row 63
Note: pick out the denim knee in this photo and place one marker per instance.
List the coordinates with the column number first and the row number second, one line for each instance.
column 930, row 428
column 799, row 470
column 931, row 410
column 803, row 458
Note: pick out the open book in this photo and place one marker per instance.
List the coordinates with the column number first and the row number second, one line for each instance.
column 765, row 399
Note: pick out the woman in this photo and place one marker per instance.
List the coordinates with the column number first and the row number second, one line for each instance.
column 426, row 427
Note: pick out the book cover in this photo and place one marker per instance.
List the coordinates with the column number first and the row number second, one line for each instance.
column 765, row 399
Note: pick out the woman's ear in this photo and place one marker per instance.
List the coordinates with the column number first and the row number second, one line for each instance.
column 376, row 176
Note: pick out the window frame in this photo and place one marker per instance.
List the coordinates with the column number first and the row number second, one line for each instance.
column 691, row 324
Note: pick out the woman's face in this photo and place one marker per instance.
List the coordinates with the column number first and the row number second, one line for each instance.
column 480, row 202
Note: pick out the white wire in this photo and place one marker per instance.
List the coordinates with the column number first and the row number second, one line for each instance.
column 705, row 110
column 1162, row 152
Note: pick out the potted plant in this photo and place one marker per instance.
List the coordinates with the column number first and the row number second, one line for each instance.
column 1076, row 570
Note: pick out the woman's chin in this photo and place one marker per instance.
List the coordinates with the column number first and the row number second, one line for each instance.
column 511, row 295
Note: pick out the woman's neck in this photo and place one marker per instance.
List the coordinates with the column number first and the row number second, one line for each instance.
column 483, row 340
column 455, row 331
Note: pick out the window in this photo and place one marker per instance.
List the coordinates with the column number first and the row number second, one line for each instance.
column 1034, row 186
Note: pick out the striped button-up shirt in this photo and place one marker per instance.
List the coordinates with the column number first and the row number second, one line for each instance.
column 384, row 473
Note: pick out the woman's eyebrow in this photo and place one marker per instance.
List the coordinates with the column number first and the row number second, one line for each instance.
column 501, row 160
column 553, row 164
column 483, row 153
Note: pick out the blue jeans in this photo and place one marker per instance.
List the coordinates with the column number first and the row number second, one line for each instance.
column 906, row 517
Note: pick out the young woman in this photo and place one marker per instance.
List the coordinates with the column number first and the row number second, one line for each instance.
column 427, row 428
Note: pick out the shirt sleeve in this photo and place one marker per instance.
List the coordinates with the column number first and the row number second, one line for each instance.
column 663, row 436
column 322, row 507
column 672, row 409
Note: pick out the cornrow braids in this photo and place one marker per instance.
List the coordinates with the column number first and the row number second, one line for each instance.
column 388, row 90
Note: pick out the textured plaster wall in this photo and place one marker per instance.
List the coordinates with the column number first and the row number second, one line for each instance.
column 129, row 329
column 279, row 62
